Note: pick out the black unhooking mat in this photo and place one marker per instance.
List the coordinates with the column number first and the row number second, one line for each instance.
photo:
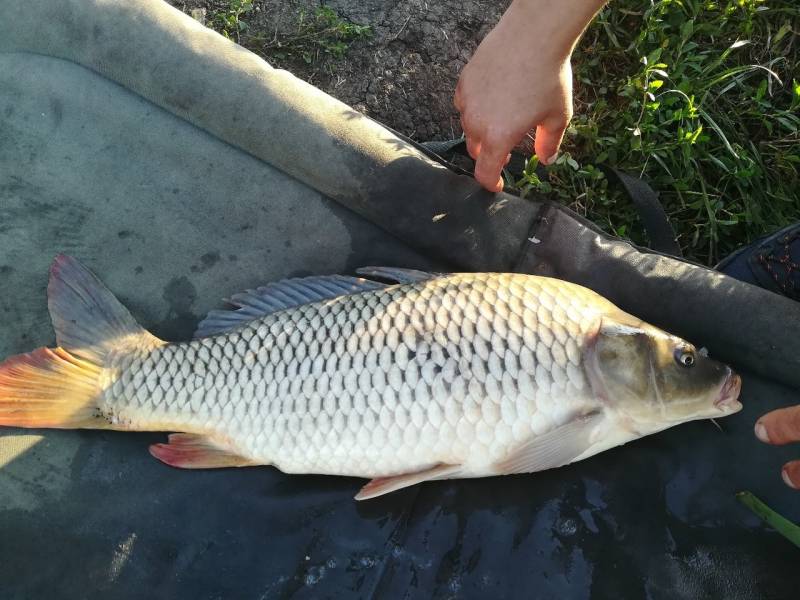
column 183, row 169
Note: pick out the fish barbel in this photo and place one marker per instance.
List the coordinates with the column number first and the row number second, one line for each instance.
column 434, row 376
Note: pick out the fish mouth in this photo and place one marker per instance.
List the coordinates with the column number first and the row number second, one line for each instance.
column 728, row 399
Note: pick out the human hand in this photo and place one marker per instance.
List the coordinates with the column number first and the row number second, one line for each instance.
column 781, row 427
column 518, row 80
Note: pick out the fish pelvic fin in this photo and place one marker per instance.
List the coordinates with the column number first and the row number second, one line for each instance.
column 50, row 388
column 384, row 485
column 60, row 387
column 193, row 451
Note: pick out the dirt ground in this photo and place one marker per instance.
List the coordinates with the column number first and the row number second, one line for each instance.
column 402, row 75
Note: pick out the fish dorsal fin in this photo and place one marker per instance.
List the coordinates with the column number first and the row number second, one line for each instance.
column 397, row 275
column 553, row 449
column 280, row 295
column 383, row 485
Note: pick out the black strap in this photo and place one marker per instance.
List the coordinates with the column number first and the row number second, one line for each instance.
column 441, row 147
column 655, row 221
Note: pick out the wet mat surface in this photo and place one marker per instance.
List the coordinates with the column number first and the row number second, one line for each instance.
column 656, row 518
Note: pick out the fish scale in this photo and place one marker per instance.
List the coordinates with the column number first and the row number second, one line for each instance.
column 454, row 370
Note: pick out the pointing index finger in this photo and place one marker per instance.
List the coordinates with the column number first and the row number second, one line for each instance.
column 780, row 426
column 490, row 163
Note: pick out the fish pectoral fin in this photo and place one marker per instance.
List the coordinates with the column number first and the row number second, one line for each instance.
column 383, row 485
column 553, row 449
column 193, row 451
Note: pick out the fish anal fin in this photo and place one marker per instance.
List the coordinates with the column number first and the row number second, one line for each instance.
column 193, row 451
column 553, row 449
column 384, row 485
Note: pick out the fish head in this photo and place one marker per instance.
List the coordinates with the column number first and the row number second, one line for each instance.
column 653, row 377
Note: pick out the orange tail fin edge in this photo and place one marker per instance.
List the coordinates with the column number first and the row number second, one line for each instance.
column 50, row 388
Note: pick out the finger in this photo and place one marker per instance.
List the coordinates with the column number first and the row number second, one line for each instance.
column 473, row 147
column 457, row 99
column 491, row 160
column 791, row 474
column 780, row 426
column 548, row 138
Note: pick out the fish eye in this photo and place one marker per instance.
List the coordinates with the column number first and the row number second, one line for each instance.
column 685, row 357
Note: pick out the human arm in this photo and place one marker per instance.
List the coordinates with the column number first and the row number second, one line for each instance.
column 520, row 79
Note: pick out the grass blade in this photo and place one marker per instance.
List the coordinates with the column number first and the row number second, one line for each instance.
column 716, row 128
column 780, row 524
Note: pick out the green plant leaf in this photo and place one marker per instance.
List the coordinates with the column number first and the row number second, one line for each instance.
column 780, row 524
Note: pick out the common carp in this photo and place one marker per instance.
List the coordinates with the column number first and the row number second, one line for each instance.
column 397, row 376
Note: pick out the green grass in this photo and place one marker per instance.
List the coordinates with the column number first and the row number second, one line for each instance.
column 319, row 35
column 228, row 20
column 779, row 523
column 701, row 99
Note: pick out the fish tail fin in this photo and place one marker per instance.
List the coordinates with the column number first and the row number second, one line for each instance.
column 88, row 320
column 60, row 387
column 49, row 388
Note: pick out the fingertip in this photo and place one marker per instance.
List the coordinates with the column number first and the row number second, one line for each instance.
column 489, row 183
column 473, row 148
column 787, row 480
column 780, row 426
column 791, row 474
column 761, row 432
column 487, row 174
column 547, row 148
column 550, row 159
column 490, row 163
column 547, row 142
